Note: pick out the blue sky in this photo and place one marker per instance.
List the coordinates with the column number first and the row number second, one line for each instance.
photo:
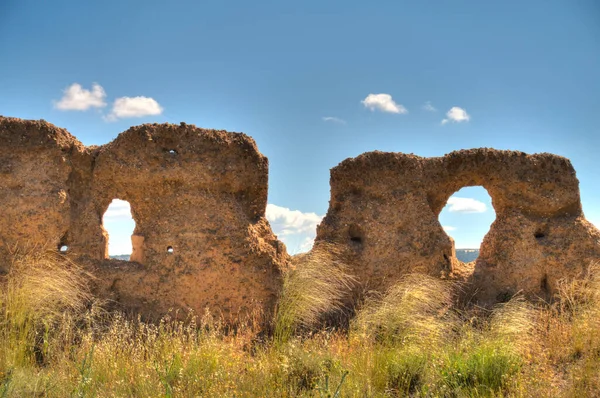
column 297, row 77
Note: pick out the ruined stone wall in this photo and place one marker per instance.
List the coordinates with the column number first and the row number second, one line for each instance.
column 198, row 198
column 36, row 164
column 384, row 212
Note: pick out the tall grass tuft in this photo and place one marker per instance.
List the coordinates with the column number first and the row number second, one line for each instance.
column 488, row 356
column 408, row 327
column 415, row 311
column 573, row 332
column 42, row 295
column 512, row 325
column 316, row 287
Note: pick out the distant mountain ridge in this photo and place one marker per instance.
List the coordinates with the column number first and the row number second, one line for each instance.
column 124, row 257
column 464, row 255
column 467, row 255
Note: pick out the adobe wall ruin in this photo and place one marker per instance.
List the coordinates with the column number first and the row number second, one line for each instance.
column 203, row 194
column 198, row 198
column 384, row 212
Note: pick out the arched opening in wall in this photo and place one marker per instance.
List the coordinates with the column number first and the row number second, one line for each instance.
column 119, row 225
column 467, row 218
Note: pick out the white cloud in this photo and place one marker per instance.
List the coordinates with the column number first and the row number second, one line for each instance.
column 448, row 228
column 465, row 205
column 306, row 244
column 456, row 115
column 125, row 107
column 118, row 210
column 334, row 119
column 76, row 98
column 428, row 107
column 295, row 228
column 384, row 103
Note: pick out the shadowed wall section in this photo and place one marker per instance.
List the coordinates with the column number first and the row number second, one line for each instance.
column 384, row 211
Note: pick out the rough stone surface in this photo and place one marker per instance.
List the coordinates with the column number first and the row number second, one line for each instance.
column 36, row 164
column 198, row 198
column 384, row 212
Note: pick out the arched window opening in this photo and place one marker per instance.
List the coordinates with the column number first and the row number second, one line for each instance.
column 119, row 225
column 467, row 218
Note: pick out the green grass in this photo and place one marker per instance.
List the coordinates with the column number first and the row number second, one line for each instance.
column 412, row 341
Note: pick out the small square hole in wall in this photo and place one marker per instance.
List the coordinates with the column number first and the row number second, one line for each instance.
column 170, row 249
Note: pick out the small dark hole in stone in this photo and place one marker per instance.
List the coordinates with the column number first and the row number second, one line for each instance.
column 356, row 234
column 504, row 297
column 448, row 264
column 170, row 249
column 544, row 284
column 356, row 190
column 539, row 235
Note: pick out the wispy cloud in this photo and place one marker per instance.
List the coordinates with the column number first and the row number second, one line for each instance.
column 306, row 244
column 383, row 103
column 127, row 107
column 333, row 119
column 428, row 107
column 448, row 228
column 456, row 115
column 118, row 210
column 295, row 228
column 76, row 98
column 465, row 205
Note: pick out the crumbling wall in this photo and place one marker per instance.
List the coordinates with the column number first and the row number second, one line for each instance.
column 36, row 166
column 384, row 211
column 198, row 198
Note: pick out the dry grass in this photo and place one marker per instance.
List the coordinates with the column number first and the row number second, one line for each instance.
column 415, row 311
column 314, row 289
column 43, row 298
column 412, row 341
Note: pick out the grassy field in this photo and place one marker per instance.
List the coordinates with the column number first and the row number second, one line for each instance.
column 56, row 340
